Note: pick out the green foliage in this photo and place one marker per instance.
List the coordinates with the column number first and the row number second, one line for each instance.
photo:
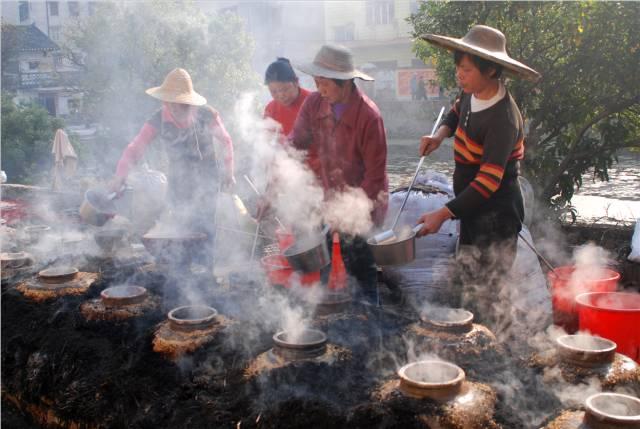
column 27, row 136
column 587, row 105
column 127, row 47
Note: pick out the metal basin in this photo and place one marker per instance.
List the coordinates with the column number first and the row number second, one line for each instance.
column 433, row 379
column 612, row 410
column 192, row 318
column 60, row 274
column 585, row 350
column 123, row 295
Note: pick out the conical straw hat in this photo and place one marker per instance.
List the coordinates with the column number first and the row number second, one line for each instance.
column 177, row 88
column 488, row 43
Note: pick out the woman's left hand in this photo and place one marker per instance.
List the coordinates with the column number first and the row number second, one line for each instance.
column 432, row 221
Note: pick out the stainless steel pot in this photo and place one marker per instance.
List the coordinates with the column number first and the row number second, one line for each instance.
column 396, row 252
column 97, row 207
column 309, row 255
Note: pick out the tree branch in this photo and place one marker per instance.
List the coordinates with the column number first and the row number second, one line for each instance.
column 571, row 154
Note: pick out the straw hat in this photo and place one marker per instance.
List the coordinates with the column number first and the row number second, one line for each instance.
column 177, row 88
column 333, row 62
column 488, row 43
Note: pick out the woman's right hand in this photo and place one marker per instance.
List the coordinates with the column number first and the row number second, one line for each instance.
column 116, row 184
column 428, row 144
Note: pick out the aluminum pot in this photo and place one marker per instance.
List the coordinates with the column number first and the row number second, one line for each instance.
column 397, row 252
column 97, row 207
column 309, row 255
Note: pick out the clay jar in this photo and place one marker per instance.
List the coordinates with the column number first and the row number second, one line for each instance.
column 582, row 356
column 602, row 411
column 452, row 335
column 460, row 403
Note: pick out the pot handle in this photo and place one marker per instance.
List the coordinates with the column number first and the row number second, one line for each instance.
column 417, row 228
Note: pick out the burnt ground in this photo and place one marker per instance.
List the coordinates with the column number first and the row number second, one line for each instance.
column 105, row 374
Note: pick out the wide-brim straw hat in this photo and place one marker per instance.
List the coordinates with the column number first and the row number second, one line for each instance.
column 333, row 62
column 177, row 88
column 488, row 43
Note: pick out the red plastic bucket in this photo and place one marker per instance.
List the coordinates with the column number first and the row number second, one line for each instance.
column 285, row 238
column 612, row 315
column 569, row 283
column 280, row 273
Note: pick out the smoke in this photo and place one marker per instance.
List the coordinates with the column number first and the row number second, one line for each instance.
column 349, row 211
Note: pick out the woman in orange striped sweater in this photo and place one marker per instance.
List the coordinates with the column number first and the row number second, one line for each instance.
column 488, row 146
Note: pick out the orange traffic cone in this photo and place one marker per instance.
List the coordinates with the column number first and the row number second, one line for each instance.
column 338, row 275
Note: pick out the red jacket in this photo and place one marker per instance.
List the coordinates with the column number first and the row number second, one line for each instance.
column 286, row 115
column 352, row 151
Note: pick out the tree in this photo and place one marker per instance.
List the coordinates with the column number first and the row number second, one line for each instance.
column 127, row 47
column 27, row 136
column 586, row 107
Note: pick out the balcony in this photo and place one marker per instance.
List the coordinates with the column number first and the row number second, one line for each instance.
column 38, row 80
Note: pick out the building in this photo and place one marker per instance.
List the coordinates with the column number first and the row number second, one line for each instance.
column 34, row 68
column 378, row 33
column 294, row 29
column 49, row 16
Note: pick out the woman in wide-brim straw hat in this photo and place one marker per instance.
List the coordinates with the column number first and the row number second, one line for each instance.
column 344, row 127
column 488, row 145
column 198, row 149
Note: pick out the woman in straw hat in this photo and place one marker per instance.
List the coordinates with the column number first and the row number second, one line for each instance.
column 344, row 127
column 192, row 135
column 489, row 144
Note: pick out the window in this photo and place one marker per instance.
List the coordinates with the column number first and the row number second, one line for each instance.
column 74, row 8
column 53, row 8
column 23, row 9
column 33, row 65
column 380, row 12
column 73, row 104
column 92, row 8
column 344, row 33
column 54, row 33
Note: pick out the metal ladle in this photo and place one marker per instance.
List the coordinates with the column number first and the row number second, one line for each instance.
column 390, row 234
column 542, row 258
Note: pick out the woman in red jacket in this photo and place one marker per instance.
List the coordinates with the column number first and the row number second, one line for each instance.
column 287, row 94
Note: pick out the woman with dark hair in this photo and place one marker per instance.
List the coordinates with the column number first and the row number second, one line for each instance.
column 287, row 94
column 489, row 143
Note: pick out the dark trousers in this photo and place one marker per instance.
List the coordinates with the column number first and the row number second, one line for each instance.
column 359, row 263
column 488, row 246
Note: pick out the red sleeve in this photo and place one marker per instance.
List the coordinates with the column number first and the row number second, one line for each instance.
column 301, row 136
column 222, row 137
column 374, row 155
column 268, row 110
column 135, row 150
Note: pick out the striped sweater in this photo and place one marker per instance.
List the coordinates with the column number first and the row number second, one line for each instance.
column 488, row 145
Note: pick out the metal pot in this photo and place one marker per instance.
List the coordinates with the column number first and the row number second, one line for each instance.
column 397, row 252
column 98, row 207
column 309, row 255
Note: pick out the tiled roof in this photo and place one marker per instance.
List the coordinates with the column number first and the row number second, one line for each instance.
column 27, row 38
